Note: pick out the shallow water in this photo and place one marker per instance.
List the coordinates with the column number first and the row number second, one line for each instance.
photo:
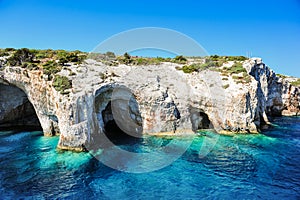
column 262, row 166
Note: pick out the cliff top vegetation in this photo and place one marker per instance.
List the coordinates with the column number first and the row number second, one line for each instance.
column 52, row 61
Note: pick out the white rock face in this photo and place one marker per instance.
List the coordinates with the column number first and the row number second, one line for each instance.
column 153, row 99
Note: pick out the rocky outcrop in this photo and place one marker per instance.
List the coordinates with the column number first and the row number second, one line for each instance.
column 290, row 97
column 34, row 88
column 15, row 108
column 277, row 95
column 140, row 100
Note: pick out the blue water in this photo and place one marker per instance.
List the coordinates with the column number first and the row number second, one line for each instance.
column 263, row 166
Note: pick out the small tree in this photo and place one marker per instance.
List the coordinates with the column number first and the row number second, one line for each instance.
column 110, row 54
column 180, row 59
column 21, row 56
column 127, row 58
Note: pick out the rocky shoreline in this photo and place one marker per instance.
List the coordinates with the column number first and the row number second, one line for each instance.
column 146, row 99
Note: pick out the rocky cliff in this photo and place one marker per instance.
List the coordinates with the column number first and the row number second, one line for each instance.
column 146, row 99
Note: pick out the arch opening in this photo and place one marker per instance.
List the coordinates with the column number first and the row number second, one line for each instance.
column 16, row 111
column 199, row 120
column 118, row 115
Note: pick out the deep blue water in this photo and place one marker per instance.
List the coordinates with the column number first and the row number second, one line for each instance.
column 263, row 166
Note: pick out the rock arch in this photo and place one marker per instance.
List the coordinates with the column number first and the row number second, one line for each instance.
column 117, row 112
column 16, row 110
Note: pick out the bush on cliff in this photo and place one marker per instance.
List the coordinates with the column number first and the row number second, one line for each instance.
column 196, row 67
column 61, row 83
column 73, row 57
column 296, row 83
column 235, row 58
column 227, row 58
column 125, row 59
column 236, row 68
column 30, row 66
column 51, row 67
column 20, row 56
column 3, row 53
column 179, row 59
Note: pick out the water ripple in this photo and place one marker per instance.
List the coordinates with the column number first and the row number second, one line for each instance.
column 261, row 166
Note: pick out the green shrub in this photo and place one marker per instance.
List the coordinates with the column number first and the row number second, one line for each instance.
column 110, row 55
column 160, row 59
column 281, row 76
column 296, row 83
column 145, row 61
column 9, row 49
column 235, row 58
column 196, row 67
column 189, row 68
column 236, row 68
column 48, row 53
column 126, row 55
column 237, row 77
column 179, row 59
column 63, row 60
column 3, row 52
column 69, row 57
column 61, row 83
column 214, row 57
column 227, row 58
column 226, row 86
column 72, row 73
column 141, row 61
column 20, row 56
column 51, row 67
column 125, row 59
column 245, row 78
column 30, row 66
column 102, row 76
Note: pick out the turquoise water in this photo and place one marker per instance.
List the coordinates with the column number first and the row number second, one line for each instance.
column 264, row 166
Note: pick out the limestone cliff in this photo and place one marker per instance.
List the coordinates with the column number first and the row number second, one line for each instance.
column 148, row 99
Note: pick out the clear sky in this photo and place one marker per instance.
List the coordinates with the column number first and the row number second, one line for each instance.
column 267, row 29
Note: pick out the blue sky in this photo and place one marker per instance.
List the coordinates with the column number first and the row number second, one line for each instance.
column 267, row 29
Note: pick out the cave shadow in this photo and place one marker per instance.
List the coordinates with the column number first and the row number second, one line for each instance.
column 199, row 119
column 17, row 112
column 113, row 132
column 118, row 116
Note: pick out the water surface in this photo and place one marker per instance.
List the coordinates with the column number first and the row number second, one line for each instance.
column 263, row 166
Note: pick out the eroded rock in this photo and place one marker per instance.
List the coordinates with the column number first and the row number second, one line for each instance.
column 147, row 100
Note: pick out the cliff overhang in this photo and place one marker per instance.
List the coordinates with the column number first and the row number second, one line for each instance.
column 149, row 99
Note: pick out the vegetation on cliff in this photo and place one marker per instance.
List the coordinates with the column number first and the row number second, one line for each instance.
column 62, row 84
column 296, row 83
column 216, row 63
column 50, row 61
column 109, row 58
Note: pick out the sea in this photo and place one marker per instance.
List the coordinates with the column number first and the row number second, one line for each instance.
column 212, row 166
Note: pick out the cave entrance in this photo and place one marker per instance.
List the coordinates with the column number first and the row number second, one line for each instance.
column 119, row 116
column 111, row 127
column 16, row 111
column 200, row 120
